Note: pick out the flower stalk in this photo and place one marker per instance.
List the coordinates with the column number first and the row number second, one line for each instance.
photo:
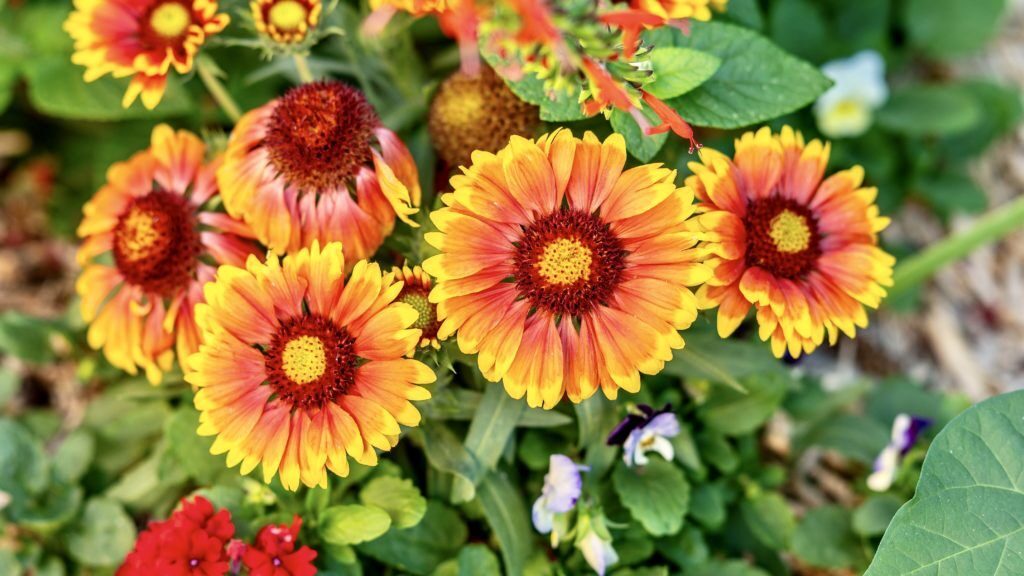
column 208, row 74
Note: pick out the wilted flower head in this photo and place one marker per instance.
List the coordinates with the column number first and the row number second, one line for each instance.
column 905, row 431
column 647, row 431
column 143, row 39
column 859, row 88
column 563, row 485
column 595, row 543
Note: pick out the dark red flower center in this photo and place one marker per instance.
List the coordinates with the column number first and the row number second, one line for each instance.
column 417, row 297
column 568, row 262
column 782, row 237
column 156, row 244
column 320, row 134
column 311, row 361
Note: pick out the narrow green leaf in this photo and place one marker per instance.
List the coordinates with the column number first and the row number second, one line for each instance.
column 506, row 514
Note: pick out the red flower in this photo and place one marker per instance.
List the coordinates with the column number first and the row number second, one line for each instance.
column 670, row 120
column 631, row 22
column 189, row 543
column 274, row 553
column 605, row 90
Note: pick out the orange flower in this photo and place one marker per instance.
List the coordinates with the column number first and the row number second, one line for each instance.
column 300, row 370
column 803, row 251
column 670, row 120
column 160, row 241
column 415, row 291
column 562, row 271
column 605, row 91
column 142, row 39
column 679, row 9
column 316, row 164
column 632, row 23
column 286, row 21
column 459, row 19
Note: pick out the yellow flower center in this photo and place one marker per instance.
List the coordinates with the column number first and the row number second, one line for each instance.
column 287, row 15
column 170, row 19
column 564, row 261
column 304, row 359
column 140, row 236
column 427, row 312
column 790, row 232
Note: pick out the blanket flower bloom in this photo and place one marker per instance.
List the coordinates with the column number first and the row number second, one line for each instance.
column 316, row 164
column 561, row 270
column 191, row 542
column 274, row 553
column 299, row 367
column 143, row 39
column 416, row 285
column 477, row 113
column 563, row 485
column 801, row 249
column 149, row 237
column 647, row 431
column 286, row 21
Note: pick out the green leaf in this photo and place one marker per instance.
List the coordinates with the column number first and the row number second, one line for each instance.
column 1002, row 113
column 9, row 565
column 745, row 12
column 506, row 514
column 23, row 466
column 756, row 81
column 734, row 413
column 26, row 337
column 685, row 549
column 854, row 436
column 799, row 27
column 558, row 106
column 190, row 450
column 873, row 516
column 8, row 80
column 103, row 536
column 726, row 361
column 657, row 495
column 473, row 560
column 50, row 511
column 824, row 539
column 640, row 145
column 685, row 447
column 967, row 516
column 946, row 28
column 353, row 524
column 679, row 70
column 73, row 456
column 707, row 505
column 398, row 497
column 929, row 110
column 420, row 549
column 489, row 432
column 951, row 193
column 446, row 453
column 769, row 519
column 56, row 88
column 716, row 450
column 726, row 568
column 10, row 385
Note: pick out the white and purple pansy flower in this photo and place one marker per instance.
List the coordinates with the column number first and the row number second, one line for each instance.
column 595, row 543
column 646, row 431
column 562, row 487
column 905, row 431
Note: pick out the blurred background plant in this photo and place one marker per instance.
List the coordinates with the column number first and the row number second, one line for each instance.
column 770, row 481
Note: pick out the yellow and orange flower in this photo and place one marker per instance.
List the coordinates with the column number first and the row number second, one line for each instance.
column 142, row 39
column 286, row 21
column 679, row 9
column 316, row 164
column 561, row 270
column 150, row 241
column 801, row 249
column 459, row 19
column 300, row 370
column 416, row 293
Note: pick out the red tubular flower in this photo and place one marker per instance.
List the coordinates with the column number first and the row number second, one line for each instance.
column 606, row 91
column 671, row 120
column 274, row 553
column 537, row 25
column 189, row 543
column 631, row 22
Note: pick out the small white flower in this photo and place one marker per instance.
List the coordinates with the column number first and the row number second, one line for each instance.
column 859, row 88
column 595, row 544
column 905, row 431
column 5, row 499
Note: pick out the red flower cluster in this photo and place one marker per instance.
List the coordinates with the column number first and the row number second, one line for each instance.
column 196, row 541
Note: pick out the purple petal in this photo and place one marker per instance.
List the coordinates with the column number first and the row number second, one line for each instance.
column 665, row 424
column 624, row 428
column 562, row 484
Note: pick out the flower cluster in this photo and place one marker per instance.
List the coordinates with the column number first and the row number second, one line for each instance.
column 197, row 541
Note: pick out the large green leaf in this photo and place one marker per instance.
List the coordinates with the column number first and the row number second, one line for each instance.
column 734, row 413
column 489, row 432
column 190, row 450
column 929, row 110
column 506, row 513
column 769, row 518
column 643, row 147
column 679, row 70
column 398, row 497
column 657, row 495
column 967, row 516
column 418, row 550
column 824, row 539
column 56, row 88
column 353, row 523
column 757, row 80
column 945, row 28
column 103, row 536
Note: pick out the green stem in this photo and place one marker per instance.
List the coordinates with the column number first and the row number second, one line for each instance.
column 989, row 228
column 217, row 90
column 302, row 66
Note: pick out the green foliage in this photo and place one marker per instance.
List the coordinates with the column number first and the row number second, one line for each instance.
column 824, row 539
column 658, row 495
column 969, row 507
column 398, row 497
column 103, row 536
column 945, row 28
